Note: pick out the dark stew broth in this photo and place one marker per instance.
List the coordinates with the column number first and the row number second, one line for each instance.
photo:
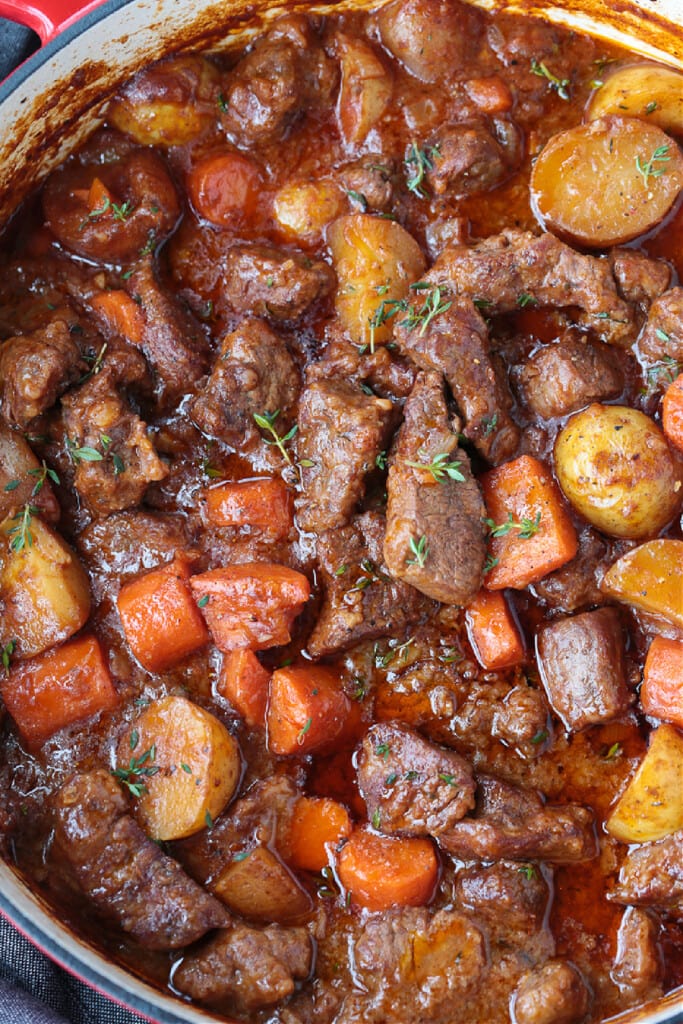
column 340, row 555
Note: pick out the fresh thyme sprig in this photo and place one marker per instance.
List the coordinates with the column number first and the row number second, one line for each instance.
column 266, row 421
column 439, row 466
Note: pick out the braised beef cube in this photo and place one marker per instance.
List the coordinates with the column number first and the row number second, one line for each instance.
column 35, row 369
column 369, row 181
column 661, row 341
column 127, row 544
column 254, row 968
column 521, row 716
column 652, row 876
column 510, row 823
column 576, row 584
column 253, row 375
column 637, row 964
column 115, row 459
column 361, row 601
column 123, row 872
column 639, row 279
column 341, row 432
column 561, row 378
column 273, row 283
column 172, row 339
column 475, row 156
column 552, row 994
column 410, row 785
column 506, row 896
column 388, row 375
column 581, row 661
column 435, row 538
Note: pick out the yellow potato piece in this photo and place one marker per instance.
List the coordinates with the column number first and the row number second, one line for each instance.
column 303, row 209
column 650, row 578
column 651, row 806
column 650, row 91
column 365, row 90
column 44, row 590
column 607, row 181
column 615, row 467
column 261, row 887
column 185, row 763
column 376, row 261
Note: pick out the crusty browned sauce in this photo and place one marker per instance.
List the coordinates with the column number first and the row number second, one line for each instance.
column 426, row 676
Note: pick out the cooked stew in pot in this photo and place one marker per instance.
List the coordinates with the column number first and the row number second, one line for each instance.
column 341, row 464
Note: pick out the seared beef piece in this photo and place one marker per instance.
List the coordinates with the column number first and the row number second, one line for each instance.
column 415, row 787
column 473, row 156
column 575, row 585
column 443, row 519
column 253, row 374
column 35, row 369
column 455, row 343
column 123, row 872
column 317, row 1004
column 552, row 994
column 639, row 279
column 637, row 962
column 172, row 340
column 274, row 283
column 662, row 336
column 286, row 73
column 581, row 662
column 415, row 965
column 652, row 876
column 361, row 602
column 502, row 268
column 514, row 824
column 97, row 410
column 516, row 43
column 432, row 38
column 561, row 378
column 341, row 432
column 506, row 896
column 252, row 967
column 371, row 178
column 521, row 716
column 388, row 375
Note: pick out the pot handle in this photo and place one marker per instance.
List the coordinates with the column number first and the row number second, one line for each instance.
column 46, row 17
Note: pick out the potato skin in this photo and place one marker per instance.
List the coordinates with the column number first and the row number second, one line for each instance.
column 615, row 467
column 650, row 91
column 651, row 806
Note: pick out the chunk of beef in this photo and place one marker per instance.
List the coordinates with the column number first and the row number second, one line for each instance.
column 470, row 157
column 123, row 872
column 435, row 536
column 35, row 369
column 552, row 994
column 637, row 963
column 271, row 282
column 506, row 896
column 371, row 177
column 432, row 38
column 414, row 786
column 254, row 374
column 341, row 432
column 172, row 339
column 514, row 824
column 652, row 876
column 502, row 268
column 389, row 376
column 575, row 585
column 516, row 43
column 416, row 965
column 252, row 967
column 455, row 343
column 639, row 279
column 361, row 602
column 561, row 378
column 662, row 336
column 96, row 416
column 521, row 716
column 581, row 661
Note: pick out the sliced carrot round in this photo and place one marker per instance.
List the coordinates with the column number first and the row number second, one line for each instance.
column 382, row 872
column 224, row 187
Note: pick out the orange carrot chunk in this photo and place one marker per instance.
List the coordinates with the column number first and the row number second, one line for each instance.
column 100, row 199
column 264, row 505
column 58, row 688
column 160, row 617
column 250, row 605
column 493, row 632
column 244, row 682
column 672, row 412
column 224, row 187
column 382, row 872
column 661, row 694
column 121, row 313
column 317, row 825
column 307, row 709
column 531, row 530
